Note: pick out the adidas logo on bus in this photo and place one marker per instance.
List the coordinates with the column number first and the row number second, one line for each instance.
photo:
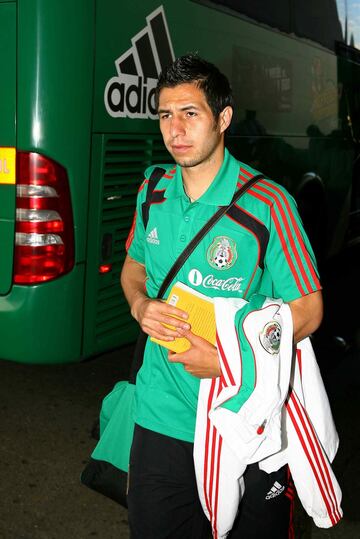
column 132, row 92
column 275, row 490
column 153, row 237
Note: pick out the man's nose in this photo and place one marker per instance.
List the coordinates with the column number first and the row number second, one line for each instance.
column 177, row 127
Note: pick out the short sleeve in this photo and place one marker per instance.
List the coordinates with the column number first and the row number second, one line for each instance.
column 289, row 258
column 135, row 243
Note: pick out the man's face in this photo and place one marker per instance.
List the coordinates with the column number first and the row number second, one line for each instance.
column 190, row 132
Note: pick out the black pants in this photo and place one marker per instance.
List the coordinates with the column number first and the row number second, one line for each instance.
column 163, row 501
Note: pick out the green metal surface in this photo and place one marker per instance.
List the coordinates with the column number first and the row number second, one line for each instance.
column 55, row 85
column 7, row 139
column 42, row 324
column 55, row 50
column 118, row 164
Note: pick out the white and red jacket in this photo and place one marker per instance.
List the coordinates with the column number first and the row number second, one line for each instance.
column 286, row 419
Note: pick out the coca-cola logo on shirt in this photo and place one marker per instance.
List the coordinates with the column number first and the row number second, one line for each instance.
column 231, row 284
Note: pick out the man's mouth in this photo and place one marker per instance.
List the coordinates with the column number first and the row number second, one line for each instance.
column 180, row 148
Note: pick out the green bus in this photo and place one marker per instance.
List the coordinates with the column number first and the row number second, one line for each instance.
column 78, row 128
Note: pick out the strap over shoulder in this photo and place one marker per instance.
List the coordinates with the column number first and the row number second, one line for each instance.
column 154, row 179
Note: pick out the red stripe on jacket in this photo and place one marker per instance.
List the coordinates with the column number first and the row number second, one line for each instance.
column 324, row 493
column 225, row 361
column 319, row 454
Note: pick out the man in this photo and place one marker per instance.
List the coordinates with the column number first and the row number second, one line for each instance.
column 268, row 252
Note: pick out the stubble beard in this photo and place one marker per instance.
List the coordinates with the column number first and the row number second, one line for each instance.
column 201, row 157
column 188, row 163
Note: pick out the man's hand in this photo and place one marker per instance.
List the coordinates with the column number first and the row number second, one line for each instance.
column 201, row 360
column 152, row 314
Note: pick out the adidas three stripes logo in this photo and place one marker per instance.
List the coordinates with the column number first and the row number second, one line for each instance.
column 131, row 92
column 153, row 237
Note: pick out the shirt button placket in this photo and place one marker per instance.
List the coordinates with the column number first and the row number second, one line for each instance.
column 183, row 231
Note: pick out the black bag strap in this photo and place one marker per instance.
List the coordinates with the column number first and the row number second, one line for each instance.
column 179, row 262
column 154, row 179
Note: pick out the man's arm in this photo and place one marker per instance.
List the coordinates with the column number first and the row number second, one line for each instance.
column 307, row 313
column 201, row 359
column 150, row 313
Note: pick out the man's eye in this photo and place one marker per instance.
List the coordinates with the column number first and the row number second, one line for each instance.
column 191, row 113
column 164, row 116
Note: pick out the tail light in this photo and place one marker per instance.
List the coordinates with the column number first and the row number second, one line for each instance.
column 44, row 239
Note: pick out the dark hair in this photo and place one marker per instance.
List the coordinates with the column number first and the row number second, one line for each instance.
column 191, row 68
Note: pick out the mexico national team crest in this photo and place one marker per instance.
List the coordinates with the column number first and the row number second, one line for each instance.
column 222, row 253
column 270, row 337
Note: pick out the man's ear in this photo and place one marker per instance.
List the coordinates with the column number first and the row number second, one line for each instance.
column 225, row 118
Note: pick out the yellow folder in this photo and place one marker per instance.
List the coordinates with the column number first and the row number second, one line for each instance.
column 201, row 313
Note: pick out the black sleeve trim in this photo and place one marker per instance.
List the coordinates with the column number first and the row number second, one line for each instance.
column 252, row 224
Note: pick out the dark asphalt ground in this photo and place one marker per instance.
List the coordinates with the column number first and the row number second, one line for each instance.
column 47, row 413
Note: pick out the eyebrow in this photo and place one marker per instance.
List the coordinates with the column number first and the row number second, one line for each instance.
column 184, row 108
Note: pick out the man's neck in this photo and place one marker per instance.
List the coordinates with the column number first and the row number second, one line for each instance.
column 198, row 179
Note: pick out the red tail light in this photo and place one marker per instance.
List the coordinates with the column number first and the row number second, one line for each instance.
column 44, row 241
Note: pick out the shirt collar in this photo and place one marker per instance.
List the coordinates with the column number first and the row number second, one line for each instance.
column 220, row 191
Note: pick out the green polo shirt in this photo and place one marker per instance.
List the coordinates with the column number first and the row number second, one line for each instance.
column 260, row 247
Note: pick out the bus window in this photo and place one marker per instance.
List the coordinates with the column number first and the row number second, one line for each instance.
column 288, row 95
column 318, row 21
column 322, row 21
